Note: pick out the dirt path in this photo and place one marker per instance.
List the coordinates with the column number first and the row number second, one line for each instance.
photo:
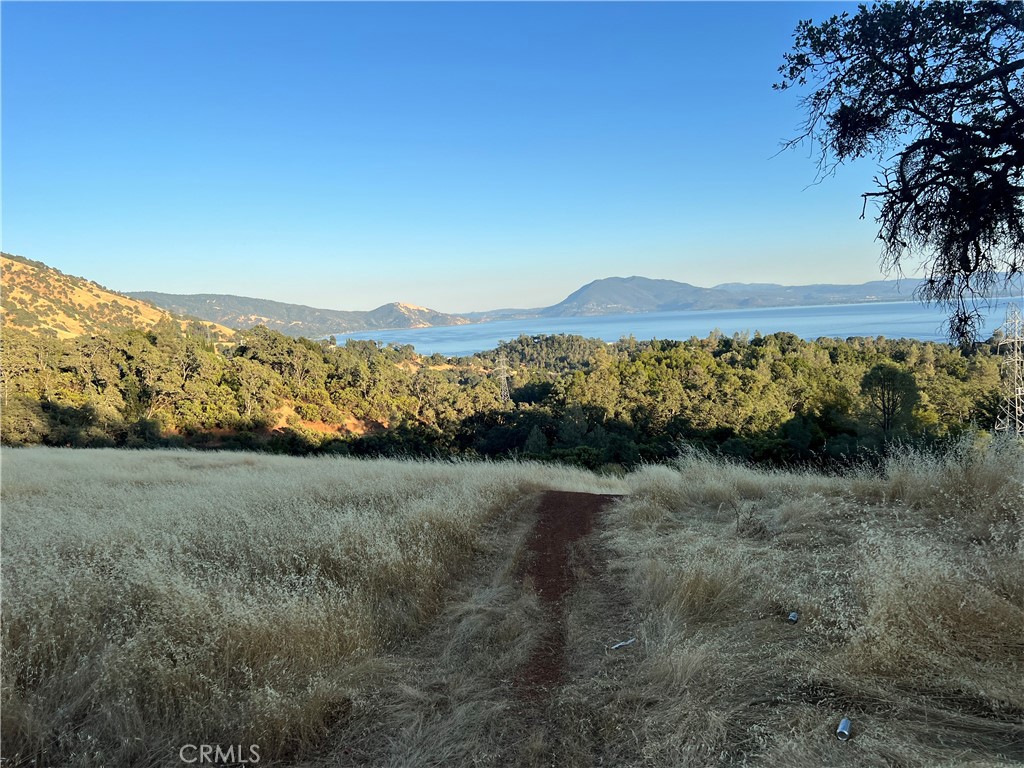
column 506, row 673
column 563, row 519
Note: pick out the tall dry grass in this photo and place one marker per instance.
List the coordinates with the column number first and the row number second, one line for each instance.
column 909, row 582
column 156, row 599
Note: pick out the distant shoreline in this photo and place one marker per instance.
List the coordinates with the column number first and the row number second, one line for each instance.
column 892, row 319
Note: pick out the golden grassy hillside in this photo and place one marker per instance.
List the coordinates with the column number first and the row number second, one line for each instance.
column 41, row 299
column 336, row 612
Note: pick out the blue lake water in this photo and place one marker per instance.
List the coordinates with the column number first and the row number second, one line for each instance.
column 908, row 319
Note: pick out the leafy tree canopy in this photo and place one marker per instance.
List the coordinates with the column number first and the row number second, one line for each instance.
column 892, row 394
column 939, row 83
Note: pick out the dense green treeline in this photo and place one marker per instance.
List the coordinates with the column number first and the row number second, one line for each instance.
column 774, row 398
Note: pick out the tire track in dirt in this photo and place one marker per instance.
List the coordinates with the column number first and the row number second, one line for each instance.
column 564, row 517
column 492, row 681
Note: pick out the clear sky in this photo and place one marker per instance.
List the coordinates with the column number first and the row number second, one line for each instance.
column 461, row 156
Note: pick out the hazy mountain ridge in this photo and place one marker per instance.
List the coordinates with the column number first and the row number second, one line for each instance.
column 773, row 294
column 297, row 319
column 44, row 300
column 613, row 295
column 630, row 295
column 640, row 294
column 606, row 296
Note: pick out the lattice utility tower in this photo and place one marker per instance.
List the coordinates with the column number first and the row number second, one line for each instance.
column 501, row 372
column 1012, row 347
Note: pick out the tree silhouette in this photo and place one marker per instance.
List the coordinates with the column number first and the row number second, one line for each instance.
column 891, row 395
column 939, row 83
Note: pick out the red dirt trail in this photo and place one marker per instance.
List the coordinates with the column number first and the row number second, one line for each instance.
column 563, row 517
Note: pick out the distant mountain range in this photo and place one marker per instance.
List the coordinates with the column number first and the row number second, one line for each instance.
column 627, row 295
column 296, row 319
column 608, row 296
column 44, row 300
column 639, row 294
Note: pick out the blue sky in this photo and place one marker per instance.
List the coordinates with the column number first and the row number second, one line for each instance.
column 461, row 156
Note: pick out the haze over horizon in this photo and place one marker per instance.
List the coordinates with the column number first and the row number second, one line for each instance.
column 462, row 157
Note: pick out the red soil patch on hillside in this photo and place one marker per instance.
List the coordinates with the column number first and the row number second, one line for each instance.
column 286, row 417
column 564, row 517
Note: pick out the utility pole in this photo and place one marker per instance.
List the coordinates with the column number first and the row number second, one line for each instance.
column 1011, row 420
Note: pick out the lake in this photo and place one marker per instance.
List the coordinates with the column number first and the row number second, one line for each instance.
column 907, row 319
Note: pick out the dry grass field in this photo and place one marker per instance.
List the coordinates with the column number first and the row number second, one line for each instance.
column 337, row 612
column 909, row 585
